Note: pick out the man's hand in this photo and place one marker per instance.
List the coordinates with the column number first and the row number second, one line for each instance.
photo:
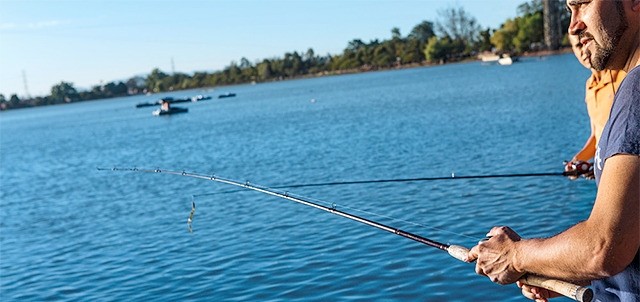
column 576, row 168
column 569, row 167
column 536, row 293
column 495, row 257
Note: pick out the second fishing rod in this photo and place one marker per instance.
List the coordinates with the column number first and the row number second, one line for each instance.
column 578, row 169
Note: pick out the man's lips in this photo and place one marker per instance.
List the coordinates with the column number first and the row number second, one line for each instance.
column 585, row 41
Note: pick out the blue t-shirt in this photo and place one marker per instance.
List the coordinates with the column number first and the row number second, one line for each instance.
column 621, row 135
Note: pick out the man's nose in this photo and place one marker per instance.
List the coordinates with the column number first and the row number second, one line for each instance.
column 576, row 26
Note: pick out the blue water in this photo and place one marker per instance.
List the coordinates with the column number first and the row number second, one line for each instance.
column 71, row 233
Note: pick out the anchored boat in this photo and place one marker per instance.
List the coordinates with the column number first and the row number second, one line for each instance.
column 172, row 110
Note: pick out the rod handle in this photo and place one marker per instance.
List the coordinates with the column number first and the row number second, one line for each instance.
column 573, row 291
column 459, row 252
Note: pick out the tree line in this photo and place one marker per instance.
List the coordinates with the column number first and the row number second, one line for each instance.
column 455, row 36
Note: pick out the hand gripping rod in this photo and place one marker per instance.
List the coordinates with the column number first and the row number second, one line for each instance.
column 576, row 292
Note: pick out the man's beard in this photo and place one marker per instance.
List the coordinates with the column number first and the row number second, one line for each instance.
column 603, row 53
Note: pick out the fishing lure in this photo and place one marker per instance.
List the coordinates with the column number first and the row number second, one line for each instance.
column 190, row 219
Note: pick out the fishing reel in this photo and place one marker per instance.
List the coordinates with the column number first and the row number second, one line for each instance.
column 575, row 169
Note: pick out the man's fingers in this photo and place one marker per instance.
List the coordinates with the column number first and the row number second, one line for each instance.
column 473, row 254
column 526, row 291
column 533, row 293
column 497, row 231
column 479, row 270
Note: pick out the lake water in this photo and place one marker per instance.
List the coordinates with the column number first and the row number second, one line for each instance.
column 71, row 233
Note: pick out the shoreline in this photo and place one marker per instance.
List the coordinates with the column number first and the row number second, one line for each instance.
column 414, row 65
column 362, row 69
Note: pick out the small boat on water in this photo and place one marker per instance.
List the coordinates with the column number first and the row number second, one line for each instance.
column 226, row 95
column 491, row 58
column 166, row 109
column 170, row 100
column 174, row 101
column 200, row 97
column 505, row 60
column 141, row 105
column 172, row 110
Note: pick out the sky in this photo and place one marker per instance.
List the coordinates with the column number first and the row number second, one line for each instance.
column 89, row 42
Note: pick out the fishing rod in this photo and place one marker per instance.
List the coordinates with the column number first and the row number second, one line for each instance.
column 576, row 292
column 578, row 169
column 452, row 177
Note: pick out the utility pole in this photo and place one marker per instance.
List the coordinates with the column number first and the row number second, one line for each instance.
column 26, row 87
column 173, row 67
column 552, row 30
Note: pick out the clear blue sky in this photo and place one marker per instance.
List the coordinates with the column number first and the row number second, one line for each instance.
column 87, row 42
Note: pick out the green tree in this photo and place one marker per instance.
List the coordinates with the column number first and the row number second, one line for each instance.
column 422, row 32
column 64, row 92
column 530, row 31
column 438, row 49
column 136, row 84
column 156, row 81
column 112, row 89
column 417, row 41
column 292, row 64
column 484, row 42
column 355, row 45
column 457, row 24
column 384, row 55
column 264, row 70
column 530, row 8
column 412, row 51
column 503, row 37
column 14, row 101
column 395, row 34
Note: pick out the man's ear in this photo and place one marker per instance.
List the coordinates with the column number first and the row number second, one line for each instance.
column 635, row 5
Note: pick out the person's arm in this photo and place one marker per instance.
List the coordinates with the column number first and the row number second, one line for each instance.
column 605, row 243
column 588, row 151
column 584, row 155
column 601, row 246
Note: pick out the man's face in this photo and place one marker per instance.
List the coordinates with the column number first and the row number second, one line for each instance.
column 599, row 25
column 579, row 51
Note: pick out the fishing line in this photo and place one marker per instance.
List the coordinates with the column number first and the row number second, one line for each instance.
column 576, row 292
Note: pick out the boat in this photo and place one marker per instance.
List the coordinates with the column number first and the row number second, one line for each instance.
column 176, row 101
column 172, row 110
column 491, row 58
column 169, row 100
column 505, row 60
column 141, row 105
column 200, row 97
column 226, row 95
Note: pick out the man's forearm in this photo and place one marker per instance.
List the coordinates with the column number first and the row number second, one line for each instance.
column 566, row 256
column 600, row 246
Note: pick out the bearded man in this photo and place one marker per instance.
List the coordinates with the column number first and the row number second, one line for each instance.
column 604, row 249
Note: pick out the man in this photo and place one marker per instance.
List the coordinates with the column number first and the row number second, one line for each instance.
column 603, row 249
column 600, row 89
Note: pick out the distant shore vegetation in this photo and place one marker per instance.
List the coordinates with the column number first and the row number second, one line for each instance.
column 454, row 37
